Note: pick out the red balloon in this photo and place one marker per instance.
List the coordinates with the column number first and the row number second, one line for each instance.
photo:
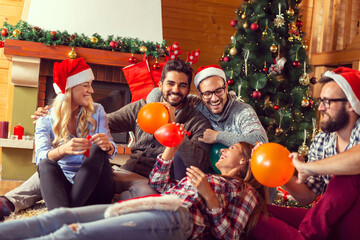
column 169, row 135
column 152, row 116
column 271, row 165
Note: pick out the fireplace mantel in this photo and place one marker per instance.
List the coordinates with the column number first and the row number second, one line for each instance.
column 94, row 56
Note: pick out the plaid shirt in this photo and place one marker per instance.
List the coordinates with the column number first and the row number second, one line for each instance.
column 226, row 222
column 323, row 146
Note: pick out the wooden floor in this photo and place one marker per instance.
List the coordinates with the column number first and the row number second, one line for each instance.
column 6, row 185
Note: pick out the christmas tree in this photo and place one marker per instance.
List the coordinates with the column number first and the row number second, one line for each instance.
column 266, row 64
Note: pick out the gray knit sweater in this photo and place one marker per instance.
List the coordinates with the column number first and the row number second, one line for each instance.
column 237, row 123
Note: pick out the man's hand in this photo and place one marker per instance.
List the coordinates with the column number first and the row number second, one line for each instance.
column 209, row 136
column 171, row 111
column 300, row 165
column 40, row 112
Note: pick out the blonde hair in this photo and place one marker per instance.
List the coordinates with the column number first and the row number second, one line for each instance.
column 62, row 110
column 261, row 191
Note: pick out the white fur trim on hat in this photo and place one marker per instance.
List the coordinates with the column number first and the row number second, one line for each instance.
column 208, row 72
column 345, row 86
column 81, row 77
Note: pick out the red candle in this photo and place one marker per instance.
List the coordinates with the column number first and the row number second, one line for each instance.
column 19, row 131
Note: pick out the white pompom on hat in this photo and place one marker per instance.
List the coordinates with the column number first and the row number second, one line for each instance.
column 207, row 71
column 69, row 73
column 349, row 81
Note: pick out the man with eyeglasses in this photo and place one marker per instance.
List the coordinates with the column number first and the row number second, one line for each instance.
column 232, row 121
column 333, row 168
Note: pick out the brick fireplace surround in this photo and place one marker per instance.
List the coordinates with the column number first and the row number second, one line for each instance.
column 32, row 64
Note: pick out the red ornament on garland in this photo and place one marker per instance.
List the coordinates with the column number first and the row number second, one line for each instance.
column 132, row 59
column 276, row 107
column 265, row 70
column 113, row 44
column 311, row 103
column 226, row 59
column 156, row 66
column 1, row 44
column 296, row 64
column 53, row 34
column 254, row 26
column 299, row 23
column 256, row 94
column 233, row 23
column 4, row 32
column 230, row 82
column 221, row 59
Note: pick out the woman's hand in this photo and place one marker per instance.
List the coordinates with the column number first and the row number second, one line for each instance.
column 102, row 140
column 75, row 146
column 199, row 180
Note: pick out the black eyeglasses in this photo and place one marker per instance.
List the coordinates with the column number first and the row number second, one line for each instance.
column 327, row 101
column 218, row 92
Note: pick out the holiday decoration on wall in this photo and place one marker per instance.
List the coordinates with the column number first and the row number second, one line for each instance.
column 267, row 62
column 24, row 31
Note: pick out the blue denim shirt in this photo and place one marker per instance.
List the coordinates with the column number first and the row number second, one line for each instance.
column 44, row 136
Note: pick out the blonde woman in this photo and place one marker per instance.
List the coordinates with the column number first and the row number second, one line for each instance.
column 73, row 142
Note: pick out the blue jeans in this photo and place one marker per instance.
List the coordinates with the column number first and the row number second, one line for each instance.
column 92, row 225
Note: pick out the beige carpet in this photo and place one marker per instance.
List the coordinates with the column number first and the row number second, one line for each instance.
column 37, row 209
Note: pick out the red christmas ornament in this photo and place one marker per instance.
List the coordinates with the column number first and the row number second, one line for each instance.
column 226, row 59
column 299, row 23
column 254, row 26
column 113, row 44
column 233, row 23
column 265, row 69
column 296, row 64
column 311, row 103
column 168, row 48
column 230, row 82
column 157, row 46
column 4, row 32
column 1, row 44
column 256, row 94
column 221, row 59
column 276, row 107
column 132, row 59
column 53, row 34
column 156, row 66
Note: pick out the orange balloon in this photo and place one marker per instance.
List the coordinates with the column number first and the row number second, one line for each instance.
column 271, row 165
column 152, row 116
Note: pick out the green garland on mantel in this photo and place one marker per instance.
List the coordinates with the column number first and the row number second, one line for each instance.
column 26, row 32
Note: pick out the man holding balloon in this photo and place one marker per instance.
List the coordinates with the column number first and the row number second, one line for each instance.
column 333, row 168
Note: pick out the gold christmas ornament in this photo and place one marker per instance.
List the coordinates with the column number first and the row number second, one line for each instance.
column 291, row 39
column 290, row 12
column 273, row 48
column 305, row 102
column 303, row 150
column 278, row 131
column 94, row 40
column 243, row 16
column 304, row 79
column 72, row 54
column 16, row 32
column 233, row 51
column 143, row 49
column 245, row 25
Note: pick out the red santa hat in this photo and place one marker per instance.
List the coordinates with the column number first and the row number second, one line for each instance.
column 207, row 71
column 349, row 81
column 69, row 73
